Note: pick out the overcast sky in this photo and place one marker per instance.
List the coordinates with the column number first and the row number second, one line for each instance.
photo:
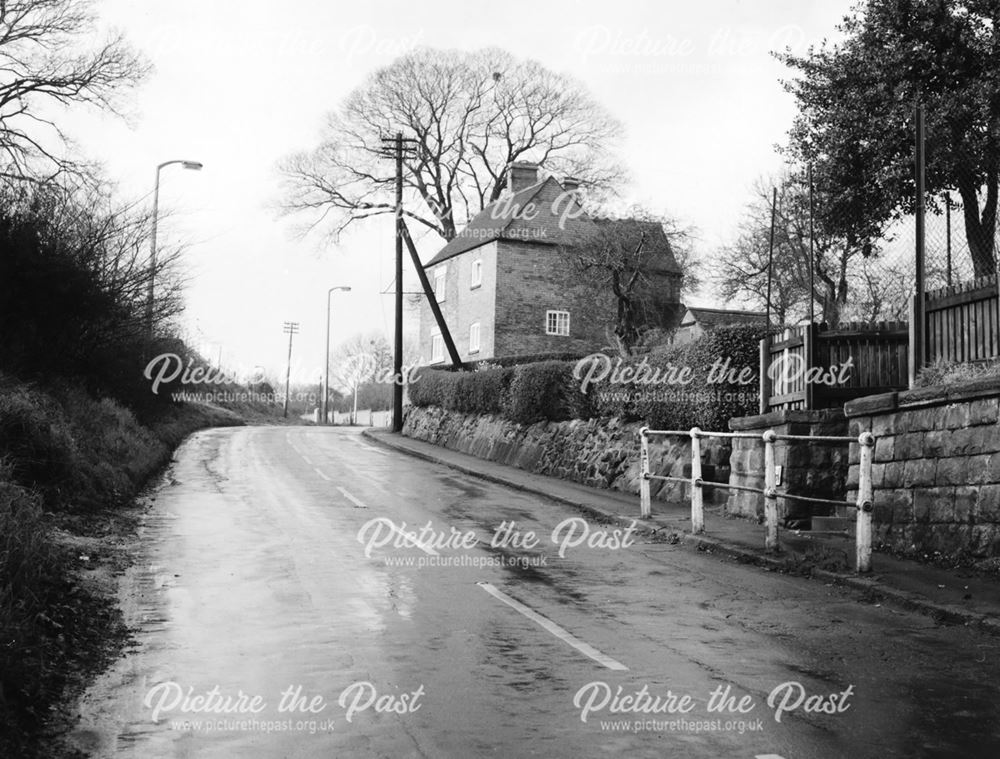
column 240, row 84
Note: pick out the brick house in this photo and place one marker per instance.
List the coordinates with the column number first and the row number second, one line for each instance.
column 507, row 286
column 697, row 321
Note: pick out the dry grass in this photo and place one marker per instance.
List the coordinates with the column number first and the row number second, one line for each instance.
column 950, row 372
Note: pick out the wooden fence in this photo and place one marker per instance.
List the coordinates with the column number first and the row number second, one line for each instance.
column 962, row 323
column 806, row 367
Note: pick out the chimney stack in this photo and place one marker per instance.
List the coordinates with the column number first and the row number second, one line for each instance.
column 521, row 175
column 571, row 184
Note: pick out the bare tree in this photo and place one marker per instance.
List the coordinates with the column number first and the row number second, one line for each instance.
column 635, row 259
column 741, row 270
column 471, row 115
column 46, row 59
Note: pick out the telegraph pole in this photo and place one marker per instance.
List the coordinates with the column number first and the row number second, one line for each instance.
column 290, row 328
column 394, row 147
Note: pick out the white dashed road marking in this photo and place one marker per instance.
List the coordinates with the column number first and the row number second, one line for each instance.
column 547, row 624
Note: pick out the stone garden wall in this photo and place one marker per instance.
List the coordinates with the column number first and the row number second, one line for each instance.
column 936, row 471
column 602, row 453
column 814, row 469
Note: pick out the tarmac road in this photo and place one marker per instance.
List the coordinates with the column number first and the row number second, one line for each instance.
column 302, row 593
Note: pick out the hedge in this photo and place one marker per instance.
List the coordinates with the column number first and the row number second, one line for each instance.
column 548, row 390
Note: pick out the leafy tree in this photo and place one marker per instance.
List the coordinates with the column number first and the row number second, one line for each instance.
column 471, row 115
column 856, row 103
column 48, row 58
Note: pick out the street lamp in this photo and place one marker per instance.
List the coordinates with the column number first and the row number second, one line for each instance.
column 193, row 166
column 326, row 366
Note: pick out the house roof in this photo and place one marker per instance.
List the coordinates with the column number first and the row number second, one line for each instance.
column 542, row 214
column 713, row 317
column 531, row 215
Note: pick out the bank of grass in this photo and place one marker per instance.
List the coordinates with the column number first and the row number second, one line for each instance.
column 66, row 462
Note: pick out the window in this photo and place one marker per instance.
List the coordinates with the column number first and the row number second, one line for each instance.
column 477, row 273
column 437, row 348
column 557, row 323
column 474, row 338
column 439, row 283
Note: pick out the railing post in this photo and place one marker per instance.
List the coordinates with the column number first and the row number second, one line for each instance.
column 697, row 494
column 866, row 441
column 644, row 507
column 770, row 493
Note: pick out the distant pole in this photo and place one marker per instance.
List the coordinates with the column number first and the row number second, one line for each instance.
column 326, row 366
column 917, row 347
column 947, row 219
column 397, row 359
column 290, row 328
column 770, row 259
column 812, row 255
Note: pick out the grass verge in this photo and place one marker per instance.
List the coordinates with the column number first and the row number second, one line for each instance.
column 68, row 463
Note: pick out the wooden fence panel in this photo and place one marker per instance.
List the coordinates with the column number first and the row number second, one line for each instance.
column 963, row 322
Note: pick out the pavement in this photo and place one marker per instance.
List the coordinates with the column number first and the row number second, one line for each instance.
column 954, row 596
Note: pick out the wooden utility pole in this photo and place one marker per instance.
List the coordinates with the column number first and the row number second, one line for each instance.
column 290, row 328
column 394, row 147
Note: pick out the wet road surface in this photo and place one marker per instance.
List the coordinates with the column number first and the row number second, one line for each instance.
column 288, row 603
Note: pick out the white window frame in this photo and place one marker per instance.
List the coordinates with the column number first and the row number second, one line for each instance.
column 474, row 335
column 477, row 274
column 555, row 324
column 437, row 347
column 440, row 283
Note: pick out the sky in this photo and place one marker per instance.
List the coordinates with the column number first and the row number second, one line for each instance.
column 238, row 85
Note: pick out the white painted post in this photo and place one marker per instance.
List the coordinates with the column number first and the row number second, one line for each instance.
column 770, row 493
column 644, row 508
column 697, row 494
column 866, row 441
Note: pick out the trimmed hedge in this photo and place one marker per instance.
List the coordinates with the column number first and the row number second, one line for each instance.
column 548, row 390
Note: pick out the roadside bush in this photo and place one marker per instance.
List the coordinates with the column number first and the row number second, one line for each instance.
column 547, row 390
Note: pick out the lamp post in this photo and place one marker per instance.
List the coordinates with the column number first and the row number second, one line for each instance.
column 326, row 365
column 193, row 166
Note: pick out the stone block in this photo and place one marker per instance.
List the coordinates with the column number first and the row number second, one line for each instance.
column 955, row 416
column 919, row 473
column 988, row 504
column 992, row 468
column 984, row 411
column 965, row 502
column 884, row 448
column 909, row 445
column 952, row 471
column 936, row 443
column 878, row 476
column 894, row 474
column 978, row 469
column 924, row 419
column 882, row 426
column 969, row 441
column 935, row 505
column 853, row 472
column 901, row 502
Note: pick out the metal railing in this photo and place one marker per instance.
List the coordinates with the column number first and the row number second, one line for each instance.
column 864, row 504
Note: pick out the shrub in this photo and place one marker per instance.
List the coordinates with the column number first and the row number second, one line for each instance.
column 546, row 391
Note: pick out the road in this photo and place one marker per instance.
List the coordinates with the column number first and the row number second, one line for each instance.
column 286, row 604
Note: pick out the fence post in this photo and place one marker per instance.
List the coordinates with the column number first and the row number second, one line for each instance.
column 765, row 386
column 865, row 502
column 644, row 509
column 770, row 493
column 697, row 494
